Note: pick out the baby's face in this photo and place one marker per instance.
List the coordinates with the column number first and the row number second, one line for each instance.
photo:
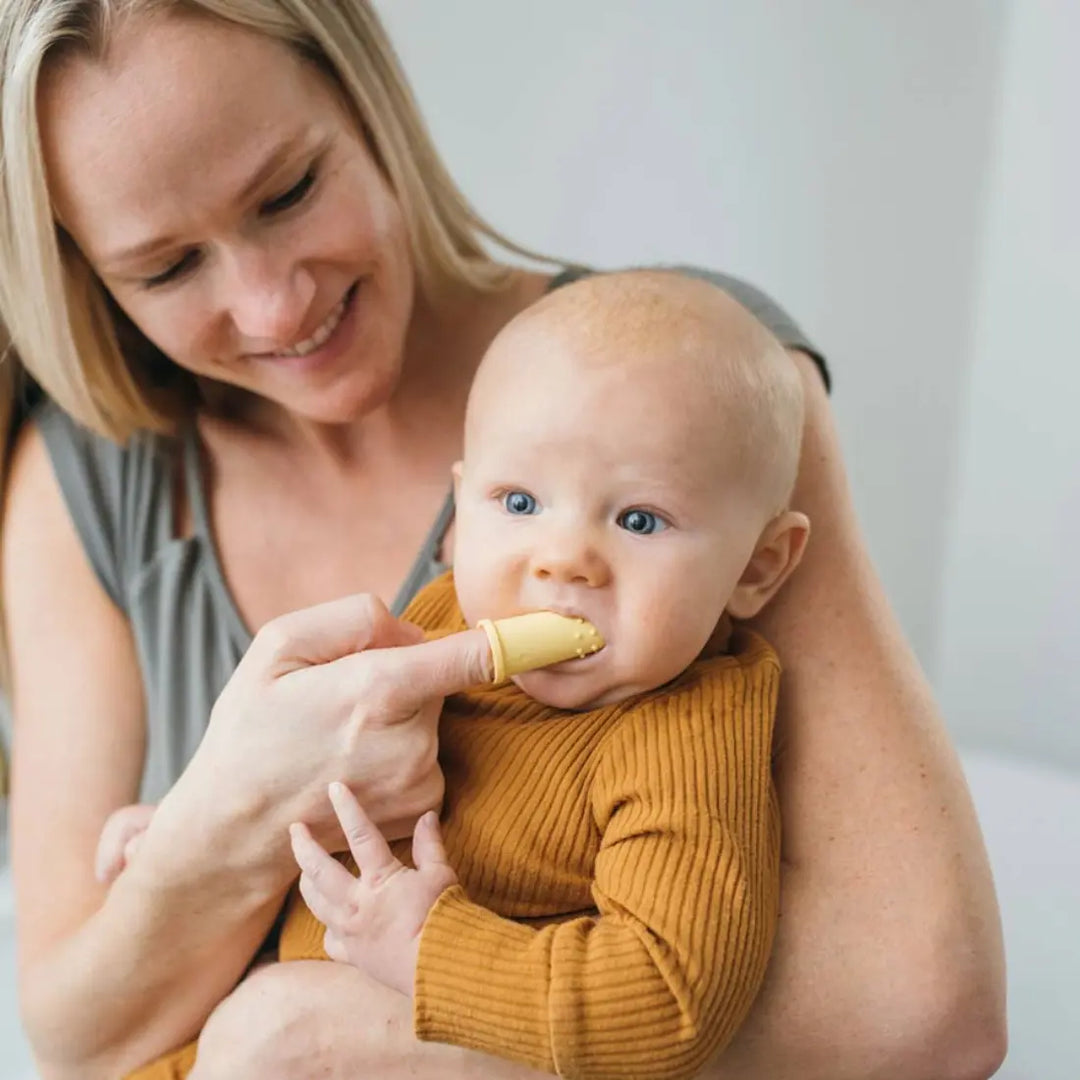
column 591, row 490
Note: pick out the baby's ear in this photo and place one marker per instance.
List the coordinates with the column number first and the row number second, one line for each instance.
column 777, row 553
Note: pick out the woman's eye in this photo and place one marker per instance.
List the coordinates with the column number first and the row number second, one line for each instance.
column 519, row 502
column 182, row 265
column 641, row 522
column 290, row 198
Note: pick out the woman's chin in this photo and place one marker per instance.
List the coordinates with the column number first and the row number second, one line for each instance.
column 340, row 405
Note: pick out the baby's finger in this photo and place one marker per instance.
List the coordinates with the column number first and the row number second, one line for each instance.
column 108, row 862
column 132, row 846
column 427, row 845
column 120, row 828
column 368, row 846
column 324, row 909
column 326, row 874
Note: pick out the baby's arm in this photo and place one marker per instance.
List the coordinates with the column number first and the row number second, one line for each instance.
column 686, row 886
column 119, row 840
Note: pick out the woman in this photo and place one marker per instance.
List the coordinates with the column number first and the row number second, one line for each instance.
column 227, row 237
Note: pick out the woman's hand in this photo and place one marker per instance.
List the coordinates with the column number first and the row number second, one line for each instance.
column 341, row 691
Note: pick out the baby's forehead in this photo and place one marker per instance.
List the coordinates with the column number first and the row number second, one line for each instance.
column 617, row 407
column 668, row 365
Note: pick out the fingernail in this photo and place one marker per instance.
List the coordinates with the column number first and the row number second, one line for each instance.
column 337, row 789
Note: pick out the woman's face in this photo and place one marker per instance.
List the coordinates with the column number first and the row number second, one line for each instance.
column 225, row 197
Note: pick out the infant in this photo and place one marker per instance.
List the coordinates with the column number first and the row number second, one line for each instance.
column 599, row 895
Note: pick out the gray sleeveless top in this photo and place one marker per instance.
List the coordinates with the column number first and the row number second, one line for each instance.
column 188, row 633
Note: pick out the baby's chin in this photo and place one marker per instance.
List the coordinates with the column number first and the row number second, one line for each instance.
column 571, row 690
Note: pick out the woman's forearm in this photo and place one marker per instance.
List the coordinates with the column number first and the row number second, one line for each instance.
column 141, row 975
column 310, row 1018
column 888, row 959
column 108, row 978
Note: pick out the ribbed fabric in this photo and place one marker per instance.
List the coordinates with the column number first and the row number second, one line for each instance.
column 619, row 870
column 173, row 1066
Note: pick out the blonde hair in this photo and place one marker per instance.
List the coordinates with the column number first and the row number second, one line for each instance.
column 63, row 330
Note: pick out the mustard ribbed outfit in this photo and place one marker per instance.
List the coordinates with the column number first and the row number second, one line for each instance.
column 618, row 869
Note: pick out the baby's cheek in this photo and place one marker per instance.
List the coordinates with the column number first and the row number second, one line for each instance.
column 484, row 590
column 666, row 642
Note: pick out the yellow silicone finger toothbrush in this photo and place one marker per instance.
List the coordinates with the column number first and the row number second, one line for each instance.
column 535, row 640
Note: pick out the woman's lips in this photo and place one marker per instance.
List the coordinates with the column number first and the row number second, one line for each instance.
column 322, row 332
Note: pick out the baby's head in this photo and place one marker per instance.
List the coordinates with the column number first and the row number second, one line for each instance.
column 631, row 444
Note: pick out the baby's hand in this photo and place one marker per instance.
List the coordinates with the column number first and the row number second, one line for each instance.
column 373, row 921
column 119, row 840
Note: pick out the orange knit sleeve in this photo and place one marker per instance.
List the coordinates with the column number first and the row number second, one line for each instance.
column 686, row 886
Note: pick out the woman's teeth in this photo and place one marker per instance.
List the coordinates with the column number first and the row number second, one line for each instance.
column 302, row 348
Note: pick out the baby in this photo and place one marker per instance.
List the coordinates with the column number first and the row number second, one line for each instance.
column 600, row 894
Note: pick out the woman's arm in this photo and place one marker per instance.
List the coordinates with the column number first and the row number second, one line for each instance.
column 888, row 957
column 106, row 979
column 111, row 979
column 888, row 960
column 297, row 1020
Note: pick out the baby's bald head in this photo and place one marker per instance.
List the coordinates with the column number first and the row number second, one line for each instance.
column 704, row 362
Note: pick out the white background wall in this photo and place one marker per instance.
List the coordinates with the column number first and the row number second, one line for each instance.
column 902, row 176
column 1009, row 662
column 835, row 152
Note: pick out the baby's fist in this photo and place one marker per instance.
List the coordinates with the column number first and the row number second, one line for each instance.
column 119, row 840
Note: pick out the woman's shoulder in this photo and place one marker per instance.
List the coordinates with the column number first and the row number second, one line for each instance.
column 758, row 302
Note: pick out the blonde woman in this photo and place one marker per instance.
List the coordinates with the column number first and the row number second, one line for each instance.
column 245, row 302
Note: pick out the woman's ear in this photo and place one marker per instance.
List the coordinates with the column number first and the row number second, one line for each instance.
column 777, row 553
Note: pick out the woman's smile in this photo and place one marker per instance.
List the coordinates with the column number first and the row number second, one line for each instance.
column 333, row 338
column 322, row 331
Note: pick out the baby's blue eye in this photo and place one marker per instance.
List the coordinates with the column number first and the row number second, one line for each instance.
column 519, row 502
column 641, row 522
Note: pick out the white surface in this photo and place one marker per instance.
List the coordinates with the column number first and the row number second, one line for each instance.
column 1031, row 819
column 1010, row 664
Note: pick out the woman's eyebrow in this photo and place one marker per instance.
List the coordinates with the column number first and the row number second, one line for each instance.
column 265, row 170
column 273, row 161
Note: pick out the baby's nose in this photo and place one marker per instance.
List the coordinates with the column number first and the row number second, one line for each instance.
column 571, row 562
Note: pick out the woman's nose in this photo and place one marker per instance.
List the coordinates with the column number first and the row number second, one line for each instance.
column 268, row 298
column 571, row 559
